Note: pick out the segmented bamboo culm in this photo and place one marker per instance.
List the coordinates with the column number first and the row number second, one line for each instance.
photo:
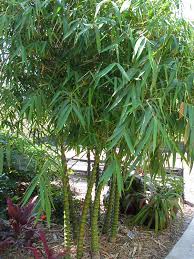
column 107, row 220
column 85, row 209
column 66, row 212
column 115, row 219
column 95, row 246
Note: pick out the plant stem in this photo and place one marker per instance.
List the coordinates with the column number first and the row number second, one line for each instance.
column 115, row 219
column 94, row 224
column 67, row 226
column 88, row 177
column 86, row 205
column 73, row 217
column 107, row 220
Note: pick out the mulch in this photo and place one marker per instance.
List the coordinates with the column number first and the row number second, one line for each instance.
column 132, row 242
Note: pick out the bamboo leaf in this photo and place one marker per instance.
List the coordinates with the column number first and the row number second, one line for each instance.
column 79, row 115
column 129, row 142
column 63, row 117
column 99, row 5
column 98, row 41
column 125, row 6
column 108, row 173
column 155, row 132
column 124, row 74
column 105, row 71
column 139, row 47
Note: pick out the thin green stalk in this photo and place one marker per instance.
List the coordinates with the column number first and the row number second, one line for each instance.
column 95, row 246
column 67, row 226
column 107, row 219
column 97, row 177
column 85, row 209
column 73, row 217
column 115, row 219
column 88, row 177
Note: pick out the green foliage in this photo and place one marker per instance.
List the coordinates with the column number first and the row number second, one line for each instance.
column 114, row 76
column 161, row 206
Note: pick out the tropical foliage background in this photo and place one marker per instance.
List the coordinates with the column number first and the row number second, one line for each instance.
column 112, row 78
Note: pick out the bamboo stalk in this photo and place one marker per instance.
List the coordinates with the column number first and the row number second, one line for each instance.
column 66, row 212
column 86, row 205
column 95, row 246
column 107, row 220
column 115, row 220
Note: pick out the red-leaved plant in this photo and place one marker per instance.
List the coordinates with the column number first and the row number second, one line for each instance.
column 23, row 231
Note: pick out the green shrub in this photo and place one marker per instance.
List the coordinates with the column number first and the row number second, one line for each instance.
column 161, row 207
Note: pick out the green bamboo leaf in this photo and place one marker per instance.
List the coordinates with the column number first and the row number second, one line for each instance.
column 98, row 41
column 42, row 189
column 71, row 30
column 106, row 70
column 113, row 142
column 123, row 72
column 139, row 47
column 45, row 167
column 155, row 132
column 107, row 173
column 129, row 142
column 99, row 5
column 117, row 11
column 125, row 6
column 48, row 208
column 30, row 190
column 78, row 113
column 63, row 117
column 145, row 140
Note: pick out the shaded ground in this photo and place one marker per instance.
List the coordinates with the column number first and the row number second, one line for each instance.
column 143, row 245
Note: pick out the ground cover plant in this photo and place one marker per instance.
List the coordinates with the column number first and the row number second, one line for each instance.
column 113, row 77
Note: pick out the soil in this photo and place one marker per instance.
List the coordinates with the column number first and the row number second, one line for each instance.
column 131, row 243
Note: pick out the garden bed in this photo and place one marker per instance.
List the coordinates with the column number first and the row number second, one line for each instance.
column 142, row 244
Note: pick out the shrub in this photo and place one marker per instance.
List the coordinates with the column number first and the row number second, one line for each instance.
column 162, row 205
column 22, row 231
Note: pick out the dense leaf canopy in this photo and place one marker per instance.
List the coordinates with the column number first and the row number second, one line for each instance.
column 111, row 76
column 108, row 72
